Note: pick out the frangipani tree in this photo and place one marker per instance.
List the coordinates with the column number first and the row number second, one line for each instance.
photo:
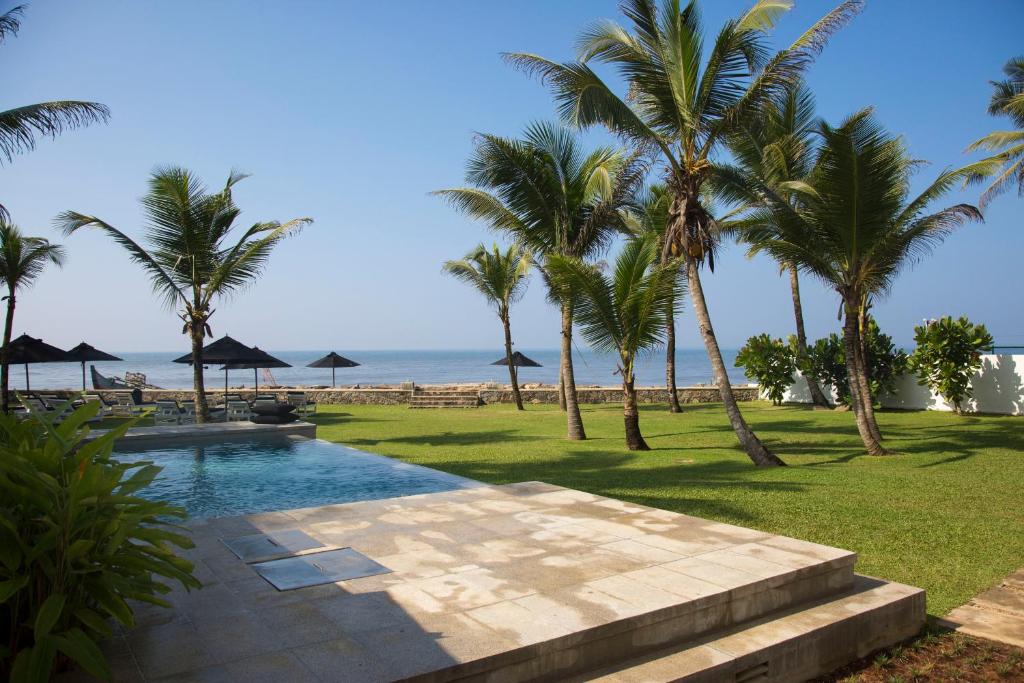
column 190, row 258
column 687, row 91
column 624, row 312
column 553, row 198
column 501, row 277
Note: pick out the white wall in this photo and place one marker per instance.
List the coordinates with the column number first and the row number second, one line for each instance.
column 998, row 387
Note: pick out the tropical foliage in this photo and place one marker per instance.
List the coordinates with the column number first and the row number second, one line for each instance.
column 76, row 543
column 884, row 361
column 649, row 220
column 855, row 226
column 948, row 354
column 624, row 312
column 500, row 276
column 191, row 261
column 22, row 260
column 553, row 198
column 769, row 362
column 21, row 126
column 1005, row 168
column 687, row 93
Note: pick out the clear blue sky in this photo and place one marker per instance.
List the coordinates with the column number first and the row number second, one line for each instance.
column 351, row 113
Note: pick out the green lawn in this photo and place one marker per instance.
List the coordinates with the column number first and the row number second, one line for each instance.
column 946, row 513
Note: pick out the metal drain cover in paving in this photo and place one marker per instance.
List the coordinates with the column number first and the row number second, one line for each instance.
column 262, row 547
column 317, row 568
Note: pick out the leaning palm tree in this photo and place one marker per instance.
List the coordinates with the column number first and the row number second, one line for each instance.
column 650, row 219
column 189, row 259
column 553, row 198
column 774, row 148
column 19, row 127
column 1007, row 164
column 22, row 260
column 624, row 312
column 501, row 277
column 855, row 226
column 683, row 101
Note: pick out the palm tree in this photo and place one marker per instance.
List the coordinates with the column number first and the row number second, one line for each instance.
column 501, row 277
column 683, row 101
column 189, row 260
column 552, row 197
column 855, row 227
column 19, row 127
column 775, row 147
column 624, row 312
column 651, row 219
column 22, row 260
column 1007, row 165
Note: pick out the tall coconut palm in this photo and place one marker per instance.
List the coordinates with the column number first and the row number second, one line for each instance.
column 22, row 260
column 501, row 277
column 19, row 127
column 190, row 260
column 1007, row 164
column 684, row 100
column 552, row 197
column 624, row 312
column 776, row 147
column 650, row 219
column 855, row 226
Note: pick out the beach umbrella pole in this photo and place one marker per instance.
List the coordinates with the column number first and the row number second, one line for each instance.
column 256, row 379
column 333, row 370
column 27, row 387
column 83, row 376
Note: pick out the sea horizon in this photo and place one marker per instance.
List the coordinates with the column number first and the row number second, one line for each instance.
column 422, row 366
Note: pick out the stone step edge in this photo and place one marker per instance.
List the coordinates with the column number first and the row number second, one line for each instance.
column 826, row 578
column 791, row 645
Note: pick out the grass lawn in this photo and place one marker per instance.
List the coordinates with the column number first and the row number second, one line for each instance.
column 946, row 513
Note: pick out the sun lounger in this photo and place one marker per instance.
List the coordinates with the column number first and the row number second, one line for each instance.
column 238, row 411
column 167, row 413
column 303, row 406
column 188, row 413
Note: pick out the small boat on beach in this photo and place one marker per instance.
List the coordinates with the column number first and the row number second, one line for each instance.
column 132, row 380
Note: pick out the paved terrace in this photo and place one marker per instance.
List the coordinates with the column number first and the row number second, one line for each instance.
column 518, row 582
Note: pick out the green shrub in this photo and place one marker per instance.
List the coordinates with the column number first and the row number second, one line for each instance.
column 826, row 361
column 75, row 544
column 948, row 354
column 769, row 362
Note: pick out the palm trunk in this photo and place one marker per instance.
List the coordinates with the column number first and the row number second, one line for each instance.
column 753, row 447
column 5, row 353
column 817, row 396
column 862, row 377
column 511, row 366
column 561, row 384
column 670, row 360
column 202, row 408
column 631, row 416
column 851, row 345
column 572, row 406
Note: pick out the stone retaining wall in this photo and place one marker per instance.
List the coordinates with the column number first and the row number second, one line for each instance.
column 698, row 394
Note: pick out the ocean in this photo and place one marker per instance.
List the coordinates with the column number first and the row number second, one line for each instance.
column 387, row 367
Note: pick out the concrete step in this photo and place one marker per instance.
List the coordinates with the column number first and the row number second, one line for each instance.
column 792, row 645
column 680, row 608
column 445, row 399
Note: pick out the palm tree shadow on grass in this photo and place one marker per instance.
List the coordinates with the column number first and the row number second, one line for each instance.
column 452, row 438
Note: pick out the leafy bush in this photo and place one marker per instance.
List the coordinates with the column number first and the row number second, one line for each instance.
column 826, row 361
column 948, row 354
column 75, row 544
column 770, row 362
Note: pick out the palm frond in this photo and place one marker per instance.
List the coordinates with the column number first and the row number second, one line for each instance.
column 20, row 127
column 10, row 22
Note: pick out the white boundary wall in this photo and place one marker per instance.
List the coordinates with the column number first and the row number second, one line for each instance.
column 998, row 387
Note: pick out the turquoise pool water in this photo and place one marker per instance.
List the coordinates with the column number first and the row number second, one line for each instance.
column 246, row 476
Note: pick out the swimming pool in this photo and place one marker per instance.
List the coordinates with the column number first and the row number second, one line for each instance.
column 245, row 476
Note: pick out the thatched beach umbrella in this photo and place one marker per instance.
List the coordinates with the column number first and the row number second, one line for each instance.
column 226, row 351
column 26, row 349
column 267, row 361
column 518, row 360
column 83, row 352
column 332, row 361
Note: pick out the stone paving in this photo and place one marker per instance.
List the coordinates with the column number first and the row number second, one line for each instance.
column 499, row 582
column 996, row 614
